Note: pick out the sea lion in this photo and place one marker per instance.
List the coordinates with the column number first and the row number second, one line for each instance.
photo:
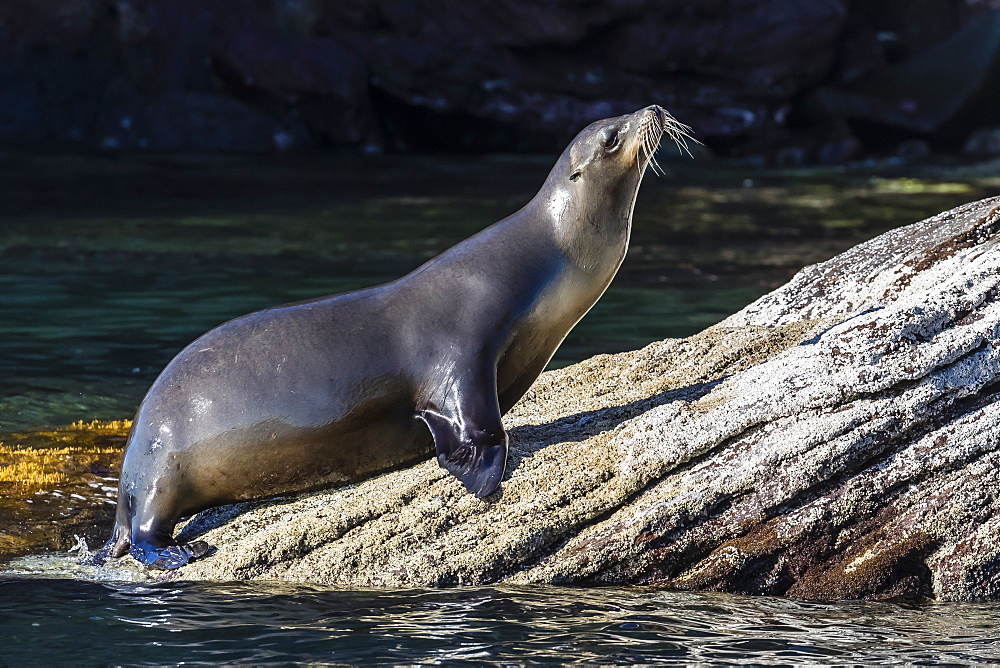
column 335, row 389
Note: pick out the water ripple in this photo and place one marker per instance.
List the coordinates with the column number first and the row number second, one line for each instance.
column 59, row 620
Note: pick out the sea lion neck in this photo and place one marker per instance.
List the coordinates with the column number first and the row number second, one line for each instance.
column 590, row 222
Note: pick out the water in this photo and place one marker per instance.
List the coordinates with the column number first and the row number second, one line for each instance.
column 110, row 270
column 92, row 622
column 109, row 265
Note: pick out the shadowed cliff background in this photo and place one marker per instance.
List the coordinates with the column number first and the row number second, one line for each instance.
column 785, row 82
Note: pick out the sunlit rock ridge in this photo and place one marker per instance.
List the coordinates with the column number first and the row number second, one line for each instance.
column 837, row 438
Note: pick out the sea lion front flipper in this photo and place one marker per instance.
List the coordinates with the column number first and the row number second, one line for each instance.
column 469, row 437
column 475, row 455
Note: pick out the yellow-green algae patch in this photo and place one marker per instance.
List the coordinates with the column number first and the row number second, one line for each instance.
column 57, row 484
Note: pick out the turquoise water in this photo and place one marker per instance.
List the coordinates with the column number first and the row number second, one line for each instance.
column 110, row 265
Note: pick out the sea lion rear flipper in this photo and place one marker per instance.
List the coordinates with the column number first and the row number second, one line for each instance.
column 116, row 546
column 168, row 556
column 469, row 437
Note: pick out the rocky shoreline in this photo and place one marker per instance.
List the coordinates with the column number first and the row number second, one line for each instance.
column 837, row 438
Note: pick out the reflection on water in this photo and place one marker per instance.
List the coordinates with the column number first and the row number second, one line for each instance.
column 271, row 623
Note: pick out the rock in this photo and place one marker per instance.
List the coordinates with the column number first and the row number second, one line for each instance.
column 837, row 438
column 983, row 142
column 940, row 90
column 323, row 83
column 190, row 121
column 486, row 73
column 497, row 74
column 555, row 67
column 26, row 25
column 21, row 109
column 912, row 149
column 913, row 25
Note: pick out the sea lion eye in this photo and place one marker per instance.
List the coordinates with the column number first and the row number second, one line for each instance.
column 610, row 138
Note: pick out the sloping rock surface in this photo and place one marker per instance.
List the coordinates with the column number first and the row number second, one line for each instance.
column 837, row 438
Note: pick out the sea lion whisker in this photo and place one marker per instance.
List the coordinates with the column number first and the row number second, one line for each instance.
column 656, row 166
column 656, row 147
column 679, row 132
column 640, row 164
column 642, row 144
column 650, row 145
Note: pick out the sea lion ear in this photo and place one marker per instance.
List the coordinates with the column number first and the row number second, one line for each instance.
column 476, row 456
column 578, row 164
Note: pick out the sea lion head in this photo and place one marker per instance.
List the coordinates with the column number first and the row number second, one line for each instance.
column 617, row 147
column 597, row 177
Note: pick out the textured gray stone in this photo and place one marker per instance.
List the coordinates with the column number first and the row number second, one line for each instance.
column 837, row 438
